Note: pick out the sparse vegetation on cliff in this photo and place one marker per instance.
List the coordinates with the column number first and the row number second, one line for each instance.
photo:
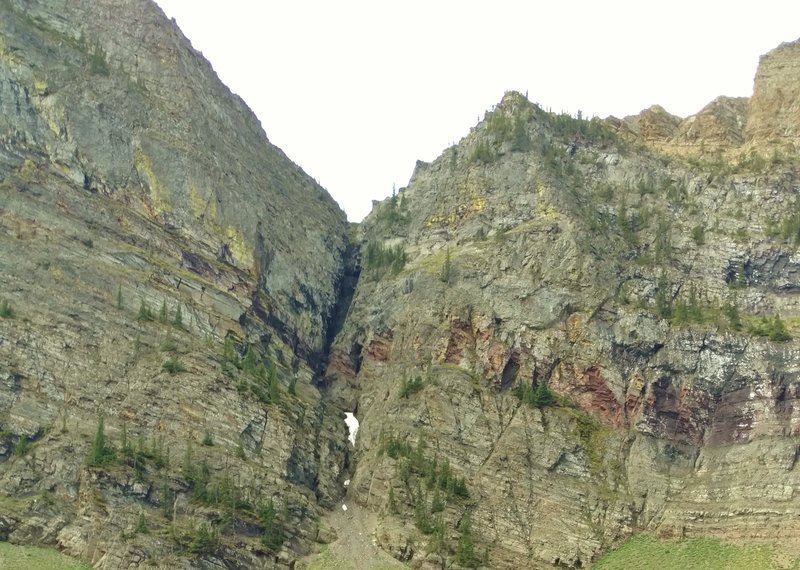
column 102, row 452
column 380, row 259
column 6, row 312
column 145, row 312
column 620, row 297
column 539, row 397
column 774, row 329
column 273, row 535
column 173, row 366
column 411, row 386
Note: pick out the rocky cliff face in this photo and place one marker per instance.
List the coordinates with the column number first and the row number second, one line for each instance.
column 560, row 334
column 774, row 111
column 594, row 336
column 122, row 105
column 166, row 268
column 767, row 123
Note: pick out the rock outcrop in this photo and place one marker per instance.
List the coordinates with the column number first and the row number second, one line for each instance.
column 731, row 129
column 654, row 125
column 719, row 126
column 774, row 110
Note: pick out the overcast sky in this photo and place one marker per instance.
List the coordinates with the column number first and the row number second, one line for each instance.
column 355, row 91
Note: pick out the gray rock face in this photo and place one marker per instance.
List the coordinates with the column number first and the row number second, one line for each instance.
column 118, row 101
column 144, row 219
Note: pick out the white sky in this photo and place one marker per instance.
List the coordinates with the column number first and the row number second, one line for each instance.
column 355, row 91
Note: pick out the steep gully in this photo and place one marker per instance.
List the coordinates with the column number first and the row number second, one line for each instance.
column 345, row 408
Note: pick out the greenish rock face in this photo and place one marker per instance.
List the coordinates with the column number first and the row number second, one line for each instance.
column 561, row 334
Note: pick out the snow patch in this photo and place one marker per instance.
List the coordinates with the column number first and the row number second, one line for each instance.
column 347, row 483
column 352, row 427
column 344, row 507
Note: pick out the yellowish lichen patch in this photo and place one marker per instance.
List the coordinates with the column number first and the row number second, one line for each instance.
column 12, row 58
column 159, row 195
column 63, row 168
column 543, row 208
column 242, row 252
column 475, row 204
column 56, row 272
column 636, row 385
column 192, row 412
column 169, row 57
column 27, row 170
column 50, row 111
column 575, row 327
column 478, row 203
column 441, row 219
column 211, row 209
column 40, row 86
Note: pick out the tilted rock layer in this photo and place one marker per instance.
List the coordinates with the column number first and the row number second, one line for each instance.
column 144, row 219
column 774, row 111
column 563, row 334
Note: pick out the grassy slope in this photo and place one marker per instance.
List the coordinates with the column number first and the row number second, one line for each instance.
column 644, row 552
column 14, row 557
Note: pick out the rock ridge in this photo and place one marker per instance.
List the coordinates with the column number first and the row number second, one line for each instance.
column 729, row 127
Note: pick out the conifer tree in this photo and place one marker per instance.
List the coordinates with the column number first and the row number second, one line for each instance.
column 101, row 453
column 178, row 320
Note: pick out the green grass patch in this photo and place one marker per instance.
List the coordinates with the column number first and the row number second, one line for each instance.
column 6, row 312
column 13, row 557
column 326, row 560
column 774, row 329
column 645, row 552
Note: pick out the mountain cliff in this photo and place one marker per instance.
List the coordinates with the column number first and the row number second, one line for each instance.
column 588, row 323
column 169, row 282
column 766, row 123
column 561, row 334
